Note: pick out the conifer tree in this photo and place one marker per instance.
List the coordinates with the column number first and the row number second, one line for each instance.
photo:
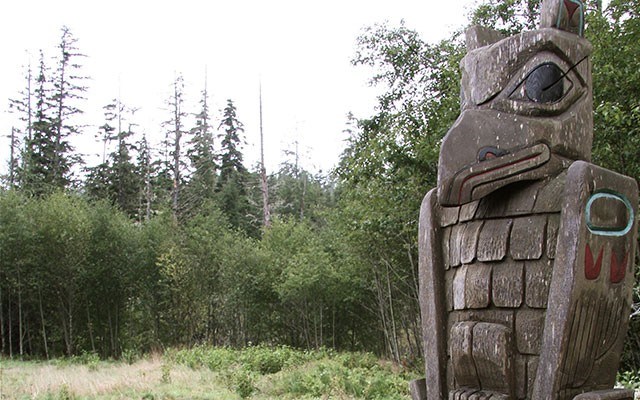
column 39, row 148
column 231, row 158
column 144, row 170
column 48, row 156
column 98, row 182
column 67, row 90
column 13, row 159
column 23, row 107
column 201, row 156
column 232, row 182
column 115, row 178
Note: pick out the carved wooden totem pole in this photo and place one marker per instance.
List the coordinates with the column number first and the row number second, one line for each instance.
column 526, row 249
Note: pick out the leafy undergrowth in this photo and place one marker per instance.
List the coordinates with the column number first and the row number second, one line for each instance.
column 209, row 373
column 284, row 373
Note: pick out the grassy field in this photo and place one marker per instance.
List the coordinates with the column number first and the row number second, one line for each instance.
column 255, row 373
column 259, row 373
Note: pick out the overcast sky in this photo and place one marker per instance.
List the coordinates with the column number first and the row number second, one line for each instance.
column 300, row 50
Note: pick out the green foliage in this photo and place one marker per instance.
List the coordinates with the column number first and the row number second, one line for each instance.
column 91, row 360
column 116, row 178
column 48, row 154
column 629, row 379
column 215, row 358
column 202, row 158
column 64, row 394
column 300, row 374
column 117, row 276
column 508, row 16
column 389, row 164
column 130, row 356
column 616, row 79
column 166, row 373
column 241, row 381
column 329, row 376
column 269, row 360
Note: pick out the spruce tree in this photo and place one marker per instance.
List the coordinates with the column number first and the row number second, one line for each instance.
column 115, row 178
column 144, row 170
column 38, row 153
column 230, row 157
column 67, row 91
column 23, row 107
column 48, row 156
column 201, row 154
column 232, row 182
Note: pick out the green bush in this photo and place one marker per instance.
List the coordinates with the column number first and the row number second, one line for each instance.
column 266, row 360
column 302, row 374
column 358, row 360
column 166, row 373
column 130, row 356
column 213, row 358
column 243, row 383
column 64, row 393
column 629, row 379
column 314, row 382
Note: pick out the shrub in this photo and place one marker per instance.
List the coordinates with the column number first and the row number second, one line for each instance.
column 265, row 360
column 629, row 379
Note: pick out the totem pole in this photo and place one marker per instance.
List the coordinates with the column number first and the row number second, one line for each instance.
column 526, row 248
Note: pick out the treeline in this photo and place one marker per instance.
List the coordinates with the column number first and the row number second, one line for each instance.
column 79, row 275
column 165, row 245
column 170, row 246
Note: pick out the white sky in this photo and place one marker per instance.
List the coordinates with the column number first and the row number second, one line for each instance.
column 301, row 50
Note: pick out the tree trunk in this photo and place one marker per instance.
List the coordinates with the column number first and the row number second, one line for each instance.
column 383, row 313
column 44, row 329
column 176, row 150
column 4, row 348
column 116, row 344
column 111, row 338
column 333, row 327
column 90, row 328
column 20, row 327
column 66, row 315
column 12, row 159
column 304, row 192
column 10, row 331
column 147, row 189
column 57, row 159
column 266, row 213
column 394, row 332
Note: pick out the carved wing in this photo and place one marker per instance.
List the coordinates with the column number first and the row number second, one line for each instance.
column 592, row 283
column 432, row 298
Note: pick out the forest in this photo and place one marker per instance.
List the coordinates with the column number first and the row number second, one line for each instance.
column 186, row 245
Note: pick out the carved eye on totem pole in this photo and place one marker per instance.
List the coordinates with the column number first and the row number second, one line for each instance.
column 545, row 84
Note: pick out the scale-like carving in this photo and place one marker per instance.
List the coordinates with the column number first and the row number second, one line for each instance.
column 526, row 273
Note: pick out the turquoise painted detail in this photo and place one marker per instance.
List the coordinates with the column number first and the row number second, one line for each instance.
column 600, row 231
column 580, row 5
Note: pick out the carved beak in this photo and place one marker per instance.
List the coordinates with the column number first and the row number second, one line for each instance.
column 495, row 169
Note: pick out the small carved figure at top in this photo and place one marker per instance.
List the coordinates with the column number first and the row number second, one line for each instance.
column 567, row 15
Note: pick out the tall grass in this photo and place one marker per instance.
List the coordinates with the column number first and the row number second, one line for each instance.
column 209, row 373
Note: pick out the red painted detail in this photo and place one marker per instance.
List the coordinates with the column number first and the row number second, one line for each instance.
column 571, row 7
column 618, row 270
column 591, row 269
